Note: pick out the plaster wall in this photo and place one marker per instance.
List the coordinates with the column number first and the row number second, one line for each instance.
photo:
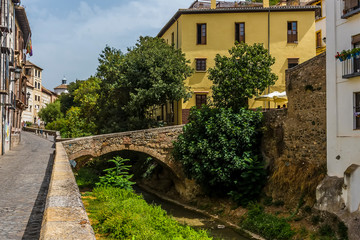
column 221, row 37
column 343, row 145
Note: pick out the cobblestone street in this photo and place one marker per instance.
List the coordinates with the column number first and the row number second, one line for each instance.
column 24, row 178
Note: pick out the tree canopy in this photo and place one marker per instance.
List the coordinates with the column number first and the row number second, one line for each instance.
column 246, row 72
column 125, row 87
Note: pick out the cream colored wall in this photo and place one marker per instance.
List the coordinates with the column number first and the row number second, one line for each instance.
column 221, row 37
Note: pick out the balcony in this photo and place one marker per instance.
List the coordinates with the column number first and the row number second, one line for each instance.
column 351, row 67
column 351, row 8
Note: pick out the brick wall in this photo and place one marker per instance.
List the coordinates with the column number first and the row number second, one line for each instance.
column 294, row 145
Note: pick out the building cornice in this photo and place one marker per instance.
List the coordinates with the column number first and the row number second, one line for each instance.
column 234, row 10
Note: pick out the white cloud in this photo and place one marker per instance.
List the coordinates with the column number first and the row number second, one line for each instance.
column 69, row 42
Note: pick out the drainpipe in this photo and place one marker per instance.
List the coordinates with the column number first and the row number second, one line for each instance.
column 268, row 34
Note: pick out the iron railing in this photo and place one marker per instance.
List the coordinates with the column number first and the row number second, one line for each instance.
column 351, row 67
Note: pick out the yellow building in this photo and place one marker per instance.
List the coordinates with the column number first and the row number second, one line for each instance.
column 208, row 28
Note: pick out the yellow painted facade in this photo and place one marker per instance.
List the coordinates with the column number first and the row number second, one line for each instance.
column 220, row 36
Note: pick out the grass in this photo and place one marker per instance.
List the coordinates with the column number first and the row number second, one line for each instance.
column 267, row 225
column 121, row 214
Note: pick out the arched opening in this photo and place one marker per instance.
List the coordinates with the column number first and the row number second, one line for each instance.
column 147, row 170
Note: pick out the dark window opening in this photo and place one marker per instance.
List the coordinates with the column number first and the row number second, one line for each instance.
column 292, row 62
column 201, row 33
column 318, row 12
column 173, row 38
column 240, row 32
column 292, row 32
column 201, row 64
column 357, row 110
column 200, row 100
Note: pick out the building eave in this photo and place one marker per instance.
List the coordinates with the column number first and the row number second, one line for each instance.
column 23, row 21
column 234, row 10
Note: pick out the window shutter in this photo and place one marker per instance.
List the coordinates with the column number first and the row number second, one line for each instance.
column 350, row 4
column 355, row 39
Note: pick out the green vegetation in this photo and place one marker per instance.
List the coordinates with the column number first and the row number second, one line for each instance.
column 220, row 146
column 219, row 149
column 124, row 89
column 242, row 75
column 117, row 176
column 121, row 214
column 116, row 212
column 51, row 112
column 267, row 225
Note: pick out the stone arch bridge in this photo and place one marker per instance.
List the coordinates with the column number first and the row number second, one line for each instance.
column 155, row 142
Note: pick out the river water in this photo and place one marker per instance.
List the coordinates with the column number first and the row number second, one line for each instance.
column 192, row 218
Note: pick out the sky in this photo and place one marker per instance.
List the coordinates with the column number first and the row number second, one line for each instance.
column 69, row 35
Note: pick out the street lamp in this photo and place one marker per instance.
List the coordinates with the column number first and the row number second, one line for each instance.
column 28, row 95
column 17, row 74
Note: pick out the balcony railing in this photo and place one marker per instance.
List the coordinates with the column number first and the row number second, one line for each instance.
column 351, row 67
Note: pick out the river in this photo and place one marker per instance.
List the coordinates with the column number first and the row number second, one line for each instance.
column 192, row 218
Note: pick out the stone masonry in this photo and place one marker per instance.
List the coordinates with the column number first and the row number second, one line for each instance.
column 294, row 145
column 156, row 142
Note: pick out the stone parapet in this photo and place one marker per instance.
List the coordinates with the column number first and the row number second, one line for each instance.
column 64, row 216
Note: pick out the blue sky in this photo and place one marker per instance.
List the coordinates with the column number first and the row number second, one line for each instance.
column 69, row 35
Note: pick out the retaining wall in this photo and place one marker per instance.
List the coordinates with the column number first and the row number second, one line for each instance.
column 64, row 216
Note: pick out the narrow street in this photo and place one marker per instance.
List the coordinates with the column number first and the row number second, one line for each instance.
column 24, row 178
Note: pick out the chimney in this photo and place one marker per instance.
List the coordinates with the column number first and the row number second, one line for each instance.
column 266, row 3
column 213, row 4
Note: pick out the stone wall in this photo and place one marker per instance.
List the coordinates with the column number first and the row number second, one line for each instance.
column 294, row 145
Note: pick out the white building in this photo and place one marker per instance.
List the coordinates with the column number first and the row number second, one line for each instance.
column 61, row 88
column 343, row 98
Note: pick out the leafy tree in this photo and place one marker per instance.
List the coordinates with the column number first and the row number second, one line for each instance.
column 113, row 95
column 242, row 75
column 67, row 99
column 220, row 150
column 86, row 97
column 51, row 112
column 77, row 125
column 154, row 72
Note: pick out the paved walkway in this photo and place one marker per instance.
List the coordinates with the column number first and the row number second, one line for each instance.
column 24, row 179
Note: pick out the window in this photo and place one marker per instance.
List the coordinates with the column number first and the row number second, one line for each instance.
column 356, row 42
column 173, row 38
column 292, row 34
column 292, row 62
column 35, row 97
column 201, row 33
column 240, row 32
column 357, row 110
column 38, row 85
column 38, row 98
column 200, row 100
column 28, row 71
column 200, row 64
column 351, row 5
column 318, row 12
column 35, row 84
column 318, row 39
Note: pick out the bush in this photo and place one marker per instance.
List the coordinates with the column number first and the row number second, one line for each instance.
column 122, row 214
column 220, row 149
column 117, row 176
column 267, row 225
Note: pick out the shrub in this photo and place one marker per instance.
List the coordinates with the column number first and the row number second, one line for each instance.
column 220, row 149
column 267, row 225
column 117, row 176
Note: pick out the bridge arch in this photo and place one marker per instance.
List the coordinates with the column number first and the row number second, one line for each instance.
column 157, row 143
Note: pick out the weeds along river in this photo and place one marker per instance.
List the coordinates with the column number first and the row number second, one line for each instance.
column 192, row 218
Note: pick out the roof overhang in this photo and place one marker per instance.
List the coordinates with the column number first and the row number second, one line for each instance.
column 234, row 10
column 23, row 21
